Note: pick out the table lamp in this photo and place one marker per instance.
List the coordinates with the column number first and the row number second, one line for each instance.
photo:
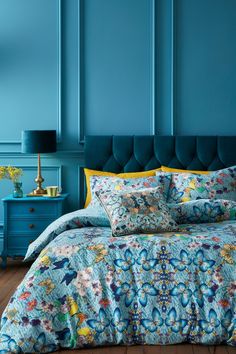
column 37, row 142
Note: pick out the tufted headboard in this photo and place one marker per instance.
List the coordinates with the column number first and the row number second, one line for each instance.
column 139, row 153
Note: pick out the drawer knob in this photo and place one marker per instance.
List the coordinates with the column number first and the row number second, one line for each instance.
column 31, row 210
column 31, row 226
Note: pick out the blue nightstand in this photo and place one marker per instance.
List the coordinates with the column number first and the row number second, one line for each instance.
column 24, row 220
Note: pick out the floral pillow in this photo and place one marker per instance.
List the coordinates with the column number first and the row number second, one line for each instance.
column 217, row 185
column 114, row 184
column 203, row 210
column 139, row 211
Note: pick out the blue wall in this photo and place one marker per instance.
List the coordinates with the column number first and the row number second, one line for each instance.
column 111, row 67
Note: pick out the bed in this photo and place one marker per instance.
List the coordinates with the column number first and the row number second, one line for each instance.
column 88, row 288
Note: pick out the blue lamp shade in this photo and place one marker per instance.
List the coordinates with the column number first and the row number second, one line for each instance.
column 38, row 141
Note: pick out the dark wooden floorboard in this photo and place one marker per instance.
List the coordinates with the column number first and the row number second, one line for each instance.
column 203, row 349
column 15, row 272
column 231, row 350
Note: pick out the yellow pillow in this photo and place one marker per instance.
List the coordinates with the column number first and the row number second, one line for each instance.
column 169, row 169
column 89, row 173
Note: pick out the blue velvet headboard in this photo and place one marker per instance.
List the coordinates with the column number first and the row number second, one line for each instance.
column 138, row 153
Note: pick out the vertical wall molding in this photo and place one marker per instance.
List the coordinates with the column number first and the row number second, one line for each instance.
column 59, row 123
column 81, row 83
column 59, row 39
column 153, row 127
column 173, row 68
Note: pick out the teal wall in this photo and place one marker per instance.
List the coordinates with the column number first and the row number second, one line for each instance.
column 111, row 67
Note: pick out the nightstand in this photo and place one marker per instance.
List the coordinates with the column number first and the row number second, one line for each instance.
column 25, row 219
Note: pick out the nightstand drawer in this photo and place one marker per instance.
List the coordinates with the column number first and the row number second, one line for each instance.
column 32, row 209
column 20, row 243
column 26, row 226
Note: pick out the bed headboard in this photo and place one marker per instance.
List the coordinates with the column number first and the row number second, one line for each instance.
column 139, row 153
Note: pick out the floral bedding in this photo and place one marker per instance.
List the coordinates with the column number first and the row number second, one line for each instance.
column 203, row 210
column 115, row 184
column 87, row 288
column 220, row 184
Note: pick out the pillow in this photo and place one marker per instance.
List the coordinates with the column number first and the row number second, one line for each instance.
column 89, row 173
column 139, row 211
column 170, row 169
column 217, row 185
column 203, row 210
column 113, row 184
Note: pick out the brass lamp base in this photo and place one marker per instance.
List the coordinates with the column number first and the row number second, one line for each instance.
column 39, row 191
column 32, row 194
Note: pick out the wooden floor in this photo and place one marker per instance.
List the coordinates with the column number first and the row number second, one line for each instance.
column 11, row 277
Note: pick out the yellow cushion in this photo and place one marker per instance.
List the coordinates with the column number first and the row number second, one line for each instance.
column 89, row 173
column 169, row 169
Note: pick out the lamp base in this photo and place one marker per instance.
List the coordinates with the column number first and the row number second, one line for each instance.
column 35, row 193
column 39, row 191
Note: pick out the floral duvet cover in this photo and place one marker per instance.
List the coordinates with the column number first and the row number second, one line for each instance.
column 87, row 288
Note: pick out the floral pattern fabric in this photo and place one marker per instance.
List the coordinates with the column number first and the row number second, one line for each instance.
column 203, row 210
column 139, row 211
column 185, row 187
column 88, row 288
column 113, row 184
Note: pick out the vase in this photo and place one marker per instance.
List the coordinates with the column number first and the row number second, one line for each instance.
column 18, row 192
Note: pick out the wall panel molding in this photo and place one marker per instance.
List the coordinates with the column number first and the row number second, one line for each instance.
column 173, row 68
column 81, row 78
column 59, row 122
column 153, row 126
column 65, row 154
column 81, row 116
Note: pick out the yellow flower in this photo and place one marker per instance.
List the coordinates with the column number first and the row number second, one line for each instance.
column 99, row 258
column 97, row 247
column 192, row 185
column 2, row 172
column 185, row 199
column 45, row 260
column 10, row 172
column 100, row 255
column 226, row 253
column 104, row 252
column 84, row 332
column 48, row 284
column 73, row 305
column 11, row 313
